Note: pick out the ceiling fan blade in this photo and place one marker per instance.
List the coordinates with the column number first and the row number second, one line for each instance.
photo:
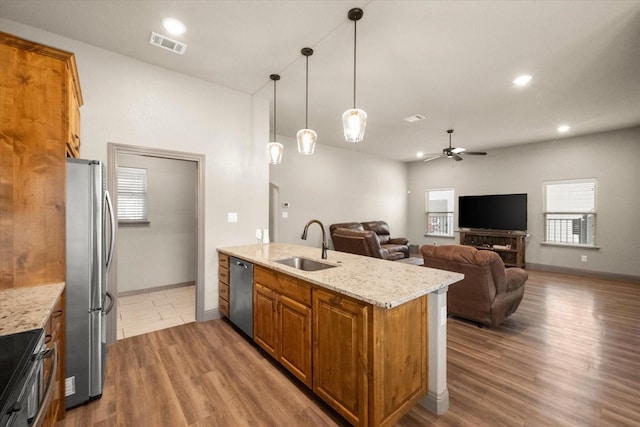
column 476, row 153
column 456, row 157
column 430, row 157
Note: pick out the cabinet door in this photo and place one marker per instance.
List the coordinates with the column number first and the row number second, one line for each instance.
column 340, row 354
column 265, row 318
column 295, row 338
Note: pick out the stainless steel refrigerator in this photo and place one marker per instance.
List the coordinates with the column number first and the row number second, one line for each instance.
column 90, row 243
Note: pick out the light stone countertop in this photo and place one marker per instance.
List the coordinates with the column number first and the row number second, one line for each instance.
column 375, row 281
column 22, row 309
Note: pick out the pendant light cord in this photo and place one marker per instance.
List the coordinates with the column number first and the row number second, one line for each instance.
column 274, row 110
column 306, row 103
column 355, row 35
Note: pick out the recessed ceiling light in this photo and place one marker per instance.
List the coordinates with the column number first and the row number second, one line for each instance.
column 522, row 80
column 563, row 128
column 419, row 154
column 174, row 26
column 414, row 118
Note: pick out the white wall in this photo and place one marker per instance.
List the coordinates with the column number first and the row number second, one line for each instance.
column 337, row 185
column 611, row 157
column 163, row 252
column 130, row 102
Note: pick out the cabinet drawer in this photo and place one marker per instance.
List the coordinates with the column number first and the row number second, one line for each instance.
column 295, row 289
column 223, row 307
column 223, row 291
column 223, row 260
column 223, row 274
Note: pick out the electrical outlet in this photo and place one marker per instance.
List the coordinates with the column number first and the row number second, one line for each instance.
column 583, row 258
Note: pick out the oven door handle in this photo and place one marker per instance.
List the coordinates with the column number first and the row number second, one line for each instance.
column 44, row 405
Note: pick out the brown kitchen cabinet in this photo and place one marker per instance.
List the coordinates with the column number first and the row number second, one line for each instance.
column 370, row 363
column 340, row 354
column 55, row 336
column 282, row 320
column 223, row 284
column 40, row 99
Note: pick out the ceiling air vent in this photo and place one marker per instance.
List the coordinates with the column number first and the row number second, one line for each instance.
column 167, row 43
column 414, row 118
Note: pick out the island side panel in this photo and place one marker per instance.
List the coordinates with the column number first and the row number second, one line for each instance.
column 437, row 399
column 400, row 365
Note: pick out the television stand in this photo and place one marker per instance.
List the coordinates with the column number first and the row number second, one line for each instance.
column 509, row 244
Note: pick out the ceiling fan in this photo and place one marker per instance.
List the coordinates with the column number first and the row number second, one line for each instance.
column 453, row 152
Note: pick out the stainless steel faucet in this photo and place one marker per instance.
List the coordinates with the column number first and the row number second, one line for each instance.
column 325, row 246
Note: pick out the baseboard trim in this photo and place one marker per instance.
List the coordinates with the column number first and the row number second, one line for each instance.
column 585, row 273
column 212, row 314
column 155, row 289
column 436, row 404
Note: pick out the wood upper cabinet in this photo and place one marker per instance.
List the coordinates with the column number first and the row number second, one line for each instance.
column 37, row 84
column 74, row 103
column 340, row 356
column 282, row 320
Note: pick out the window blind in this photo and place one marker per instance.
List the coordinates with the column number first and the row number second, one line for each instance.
column 577, row 196
column 132, row 194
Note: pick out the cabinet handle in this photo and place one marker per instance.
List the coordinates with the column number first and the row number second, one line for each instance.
column 56, row 313
column 47, row 339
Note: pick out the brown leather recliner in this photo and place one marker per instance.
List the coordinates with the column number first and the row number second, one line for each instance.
column 381, row 228
column 489, row 293
column 361, row 242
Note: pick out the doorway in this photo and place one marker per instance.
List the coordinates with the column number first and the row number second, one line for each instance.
column 137, row 284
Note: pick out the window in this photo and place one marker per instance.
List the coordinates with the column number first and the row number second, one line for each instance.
column 570, row 212
column 439, row 212
column 132, row 195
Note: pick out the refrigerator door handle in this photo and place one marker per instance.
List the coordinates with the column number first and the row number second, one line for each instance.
column 112, row 229
column 111, row 301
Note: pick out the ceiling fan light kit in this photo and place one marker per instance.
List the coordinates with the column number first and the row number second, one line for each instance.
column 274, row 148
column 354, row 120
column 306, row 137
column 453, row 152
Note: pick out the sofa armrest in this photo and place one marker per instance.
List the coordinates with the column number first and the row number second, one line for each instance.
column 399, row 241
column 515, row 278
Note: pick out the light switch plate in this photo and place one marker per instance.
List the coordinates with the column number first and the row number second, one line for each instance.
column 232, row 217
column 285, row 215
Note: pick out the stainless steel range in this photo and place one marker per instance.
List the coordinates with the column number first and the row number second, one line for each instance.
column 23, row 395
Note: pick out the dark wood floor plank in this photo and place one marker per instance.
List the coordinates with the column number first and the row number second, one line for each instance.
column 569, row 356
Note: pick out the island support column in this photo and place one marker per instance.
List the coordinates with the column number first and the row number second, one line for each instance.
column 437, row 398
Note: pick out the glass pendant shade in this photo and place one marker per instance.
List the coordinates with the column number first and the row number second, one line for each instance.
column 354, row 121
column 306, row 141
column 274, row 148
column 275, row 152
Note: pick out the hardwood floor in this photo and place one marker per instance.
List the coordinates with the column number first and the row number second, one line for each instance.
column 569, row 356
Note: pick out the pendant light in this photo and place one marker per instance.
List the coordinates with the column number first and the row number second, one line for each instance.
column 306, row 137
column 354, row 120
column 275, row 148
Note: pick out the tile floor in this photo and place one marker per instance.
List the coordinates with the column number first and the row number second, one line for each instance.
column 152, row 311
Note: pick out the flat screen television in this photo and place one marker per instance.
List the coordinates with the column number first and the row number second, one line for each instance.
column 494, row 212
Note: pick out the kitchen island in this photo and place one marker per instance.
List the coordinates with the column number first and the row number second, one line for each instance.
column 366, row 335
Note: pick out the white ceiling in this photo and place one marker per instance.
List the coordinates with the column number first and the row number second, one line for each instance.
column 450, row 61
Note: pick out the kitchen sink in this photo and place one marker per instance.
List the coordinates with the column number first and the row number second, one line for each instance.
column 305, row 264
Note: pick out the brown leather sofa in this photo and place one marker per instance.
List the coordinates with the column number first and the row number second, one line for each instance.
column 489, row 293
column 390, row 248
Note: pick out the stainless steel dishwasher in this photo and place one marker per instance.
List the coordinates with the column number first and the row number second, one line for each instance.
column 241, row 294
